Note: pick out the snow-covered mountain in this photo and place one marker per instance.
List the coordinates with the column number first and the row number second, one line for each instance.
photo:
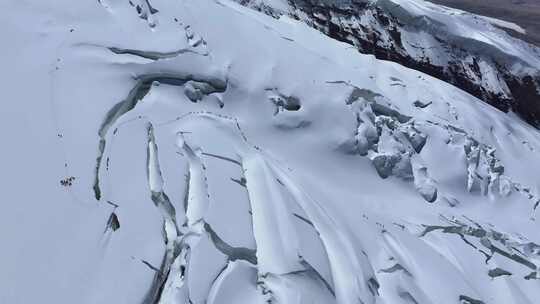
column 200, row 151
column 470, row 51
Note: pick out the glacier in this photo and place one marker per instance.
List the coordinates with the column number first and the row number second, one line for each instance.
column 469, row 51
column 188, row 151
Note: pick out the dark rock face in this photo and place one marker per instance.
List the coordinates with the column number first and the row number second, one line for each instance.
column 373, row 30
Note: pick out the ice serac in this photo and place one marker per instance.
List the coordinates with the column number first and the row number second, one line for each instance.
column 203, row 152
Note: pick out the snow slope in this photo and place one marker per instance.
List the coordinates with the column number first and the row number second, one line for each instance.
column 466, row 50
column 506, row 25
column 202, row 152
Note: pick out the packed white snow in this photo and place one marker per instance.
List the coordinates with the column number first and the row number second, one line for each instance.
column 506, row 24
column 197, row 151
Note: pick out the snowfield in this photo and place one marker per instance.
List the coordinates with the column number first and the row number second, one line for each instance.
column 464, row 49
column 199, row 151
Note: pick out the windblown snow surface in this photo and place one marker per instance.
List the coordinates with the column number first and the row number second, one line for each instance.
column 201, row 152
column 466, row 50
